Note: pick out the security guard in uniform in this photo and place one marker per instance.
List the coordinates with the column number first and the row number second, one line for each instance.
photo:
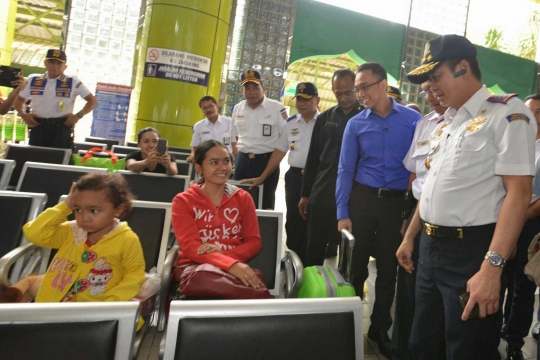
column 257, row 124
column 473, row 203
column 52, row 97
column 407, row 253
column 296, row 137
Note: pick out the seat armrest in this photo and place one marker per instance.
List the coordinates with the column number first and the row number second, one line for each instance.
column 345, row 254
column 8, row 260
column 170, row 262
column 294, row 273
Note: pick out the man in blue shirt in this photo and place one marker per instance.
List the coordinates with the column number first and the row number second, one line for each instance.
column 370, row 187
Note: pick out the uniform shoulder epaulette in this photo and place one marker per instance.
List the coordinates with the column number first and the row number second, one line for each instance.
column 502, row 98
column 292, row 117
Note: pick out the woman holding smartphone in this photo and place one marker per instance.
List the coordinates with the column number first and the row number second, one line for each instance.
column 148, row 159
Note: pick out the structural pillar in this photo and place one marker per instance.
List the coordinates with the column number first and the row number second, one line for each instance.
column 181, row 52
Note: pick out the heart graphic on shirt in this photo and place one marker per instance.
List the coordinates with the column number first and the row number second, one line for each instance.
column 231, row 214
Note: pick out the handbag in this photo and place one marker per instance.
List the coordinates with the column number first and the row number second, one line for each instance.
column 112, row 163
column 209, row 281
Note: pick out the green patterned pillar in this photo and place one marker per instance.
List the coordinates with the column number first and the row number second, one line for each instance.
column 181, row 51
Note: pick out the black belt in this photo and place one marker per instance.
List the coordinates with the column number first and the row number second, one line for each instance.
column 295, row 169
column 458, row 232
column 51, row 121
column 382, row 192
column 257, row 156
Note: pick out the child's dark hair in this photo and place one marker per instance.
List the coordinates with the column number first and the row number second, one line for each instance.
column 115, row 186
column 202, row 149
column 147, row 129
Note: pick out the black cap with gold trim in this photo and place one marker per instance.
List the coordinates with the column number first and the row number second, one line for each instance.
column 393, row 92
column 250, row 76
column 306, row 90
column 437, row 51
column 55, row 54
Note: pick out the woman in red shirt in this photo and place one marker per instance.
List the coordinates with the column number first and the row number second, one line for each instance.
column 215, row 222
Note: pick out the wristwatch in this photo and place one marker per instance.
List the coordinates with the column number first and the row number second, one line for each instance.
column 80, row 114
column 495, row 259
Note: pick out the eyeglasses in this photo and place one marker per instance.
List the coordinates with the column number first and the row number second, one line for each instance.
column 427, row 93
column 365, row 88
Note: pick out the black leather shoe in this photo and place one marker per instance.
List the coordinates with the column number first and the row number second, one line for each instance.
column 536, row 330
column 513, row 353
column 504, row 330
column 382, row 340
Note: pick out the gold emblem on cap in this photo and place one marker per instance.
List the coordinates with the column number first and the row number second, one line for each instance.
column 56, row 53
column 249, row 75
column 302, row 87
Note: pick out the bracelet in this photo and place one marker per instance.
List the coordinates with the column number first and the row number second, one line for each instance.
column 80, row 114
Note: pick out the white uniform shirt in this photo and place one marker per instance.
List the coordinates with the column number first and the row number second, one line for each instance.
column 414, row 160
column 299, row 132
column 221, row 131
column 537, row 165
column 259, row 129
column 480, row 143
column 46, row 103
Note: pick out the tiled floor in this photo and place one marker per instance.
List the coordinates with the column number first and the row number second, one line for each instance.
column 150, row 346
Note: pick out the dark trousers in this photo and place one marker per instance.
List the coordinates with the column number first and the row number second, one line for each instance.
column 376, row 222
column 404, row 315
column 58, row 136
column 321, row 233
column 522, row 298
column 295, row 226
column 445, row 266
column 246, row 168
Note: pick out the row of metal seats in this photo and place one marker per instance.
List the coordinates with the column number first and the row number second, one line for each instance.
column 225, row 329
column 151, row 222
column 20, row 154
column 112, row 142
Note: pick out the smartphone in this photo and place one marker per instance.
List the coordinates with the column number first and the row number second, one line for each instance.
column 463, row 299
column 161, row 146
column 7, row 75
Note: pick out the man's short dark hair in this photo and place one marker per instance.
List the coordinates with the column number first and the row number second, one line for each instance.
column 532, row 97
column 341, row 73
column 377, row 69
column 473, row 63
column 207, row 98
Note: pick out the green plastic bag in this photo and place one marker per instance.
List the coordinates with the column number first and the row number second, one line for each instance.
column 111, row 164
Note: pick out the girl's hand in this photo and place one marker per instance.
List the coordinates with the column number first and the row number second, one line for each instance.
column 208, row 248
column 165, row 160
column 69, row 199
column 245, row 274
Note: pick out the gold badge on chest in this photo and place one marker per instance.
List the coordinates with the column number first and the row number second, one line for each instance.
column 293, row 146
column 476, row 123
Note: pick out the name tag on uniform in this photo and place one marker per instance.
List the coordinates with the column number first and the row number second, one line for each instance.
column 226, row 140
column 331, row 124
column 422, row 143
column 267, row 130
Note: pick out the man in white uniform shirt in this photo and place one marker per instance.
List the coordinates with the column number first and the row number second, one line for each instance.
column 480, row 166
column 296, row 137
column 212, row 127
column 519, row 306
column 407, row 253
column 52, row 96
column 257, row 124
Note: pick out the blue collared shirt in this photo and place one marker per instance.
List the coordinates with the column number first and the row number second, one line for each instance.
column 372, row 152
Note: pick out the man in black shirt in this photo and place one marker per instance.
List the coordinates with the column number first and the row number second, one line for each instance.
column 318, row 202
